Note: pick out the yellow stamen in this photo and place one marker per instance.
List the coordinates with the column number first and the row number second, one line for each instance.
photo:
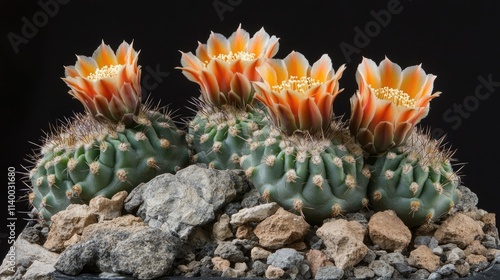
column 230, row 57
column 104, row 72
column 295, row 83
column 396, row 96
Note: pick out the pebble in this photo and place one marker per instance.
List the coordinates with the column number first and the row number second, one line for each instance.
column 329, row 272
column 381, row 268
column 285, row 258
column 363, row 272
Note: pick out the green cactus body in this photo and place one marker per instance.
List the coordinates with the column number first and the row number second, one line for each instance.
column 219, row 135
column 318, row 178
column 416, row 180
column 85, row 159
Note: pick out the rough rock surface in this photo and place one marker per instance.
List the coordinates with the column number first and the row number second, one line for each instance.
column 178, row 203
column 459, row 229
column 281, row 229
column 388, row 231
column 124, row 245
column 254, row 214
column 108, row 209
column 344, row 242
column 67, row 223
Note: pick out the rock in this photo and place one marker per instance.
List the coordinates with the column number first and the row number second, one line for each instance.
column 241, row 266
column 273, row 272
column 31, row 235
column 232, row 273
column 446, row 269
column 468, row 201
column 258, row 253
column 230, row 252
column 363, row 272
column 462, row 269
column 455, row 255
column 329, row 272
column 39, row 271
column 123, row 245
column 108, row 209
column 344, row 242
column 285, row 258
column 67, row 223
column 404, row 269
column 388, row 231
column 178, row 203
column 420, row 274
column 458, row 229
column 476, row 248
column 381, row 268
column 220, row 264
column 221, row 230
column 258, row 269
column 489, row 219
column 255, row 214
column 477, row 262
column 281, row 229
column 392, row 258
column 316, row 259
column 422, row 257
column 251, row 198
column 245, row 232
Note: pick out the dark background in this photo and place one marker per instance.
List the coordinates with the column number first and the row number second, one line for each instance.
column 455, row 40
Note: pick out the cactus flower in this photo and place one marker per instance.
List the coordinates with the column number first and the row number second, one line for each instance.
column 107, row 83
column 299, row 96
column 225, row 67
column 389, row 103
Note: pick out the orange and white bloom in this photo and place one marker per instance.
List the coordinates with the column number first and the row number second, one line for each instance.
column 107, row 83
column 389, row 103
column 299, row 96
column 225, row 67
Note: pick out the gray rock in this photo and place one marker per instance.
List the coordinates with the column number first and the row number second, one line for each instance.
column 178, row 203
column 258, row 269
column 39, row 271
column 369, row 257
column 392, row 258
column 285, row 258
column 363, row 272
column 230, row 252
column 31, row 234
column 434, row 276
column 489, row 242
column 446, row 269
column 420, row 274
column 381, row 268
column 438, row 251
column 251, row 199
column 329, row 272
column 422, row 240
column 140, row 251
column 404, row 269
column 468, row 201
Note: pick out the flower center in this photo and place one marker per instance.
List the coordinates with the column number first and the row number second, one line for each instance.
column 295, row 83
column 230, row 57
column 395, row 96
column 104, row 72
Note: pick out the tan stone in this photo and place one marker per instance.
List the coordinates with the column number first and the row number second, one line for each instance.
column 73, row 240
column 316, row 259
column 489, row 219
column 459, row 229
column 221, row 230
column 476, row 248
column 281, row 229
column 298, row 246
column 108, row 209
column 423, row 257
column 245, row 232
column 344, row 242
column 273, row 272
column 462, row 269
column 258, row 253
column 476, row 259
column 220, row 264
column 388, row 231
column 67, row 223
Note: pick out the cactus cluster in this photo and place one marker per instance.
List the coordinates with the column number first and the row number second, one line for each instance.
column 271, row 117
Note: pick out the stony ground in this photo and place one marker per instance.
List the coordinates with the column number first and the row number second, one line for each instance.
column 210, row 223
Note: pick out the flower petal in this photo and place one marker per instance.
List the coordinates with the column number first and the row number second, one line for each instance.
column 85, row 65
column 413, row 80
column 239, row 40
column 390, row 74
column 189, row 60
column 217, row 44
column 402, row 132
column 309, row 116
column 368, row 72
column 222, row 74
column 202, row 53
column 296, row 64
column 210, row 88
column 322, row 69
column 104, row 55
column 383, row 136
column 242, row 87
column 258, row 43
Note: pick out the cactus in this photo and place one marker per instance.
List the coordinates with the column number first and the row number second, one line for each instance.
column 219, row 136
column 416, row 180
column 318, row 178
column 225, row 115
column 86, row 158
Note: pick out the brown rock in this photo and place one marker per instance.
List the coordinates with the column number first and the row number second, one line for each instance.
column 127, row 221
column 459, row 229
column 245, row 232
column 298, row 246
column 316, row 259
column 220, row 264
column 273, row 272
column 476, row 248
column 108, row 209
column 476, row 259
column 423, row 257
column 258, row 253
column 67, row 223
column 388, row 231
column 489, row 219
column 281, row 229
column 462, row 269
column 344, row 242
column 73, row 240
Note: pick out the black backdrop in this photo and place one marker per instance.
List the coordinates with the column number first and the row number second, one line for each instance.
column 455, row 40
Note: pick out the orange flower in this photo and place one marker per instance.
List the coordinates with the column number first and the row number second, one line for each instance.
column 298, row 96
column 388, row 103
column 108, row 83
column 225, row 67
